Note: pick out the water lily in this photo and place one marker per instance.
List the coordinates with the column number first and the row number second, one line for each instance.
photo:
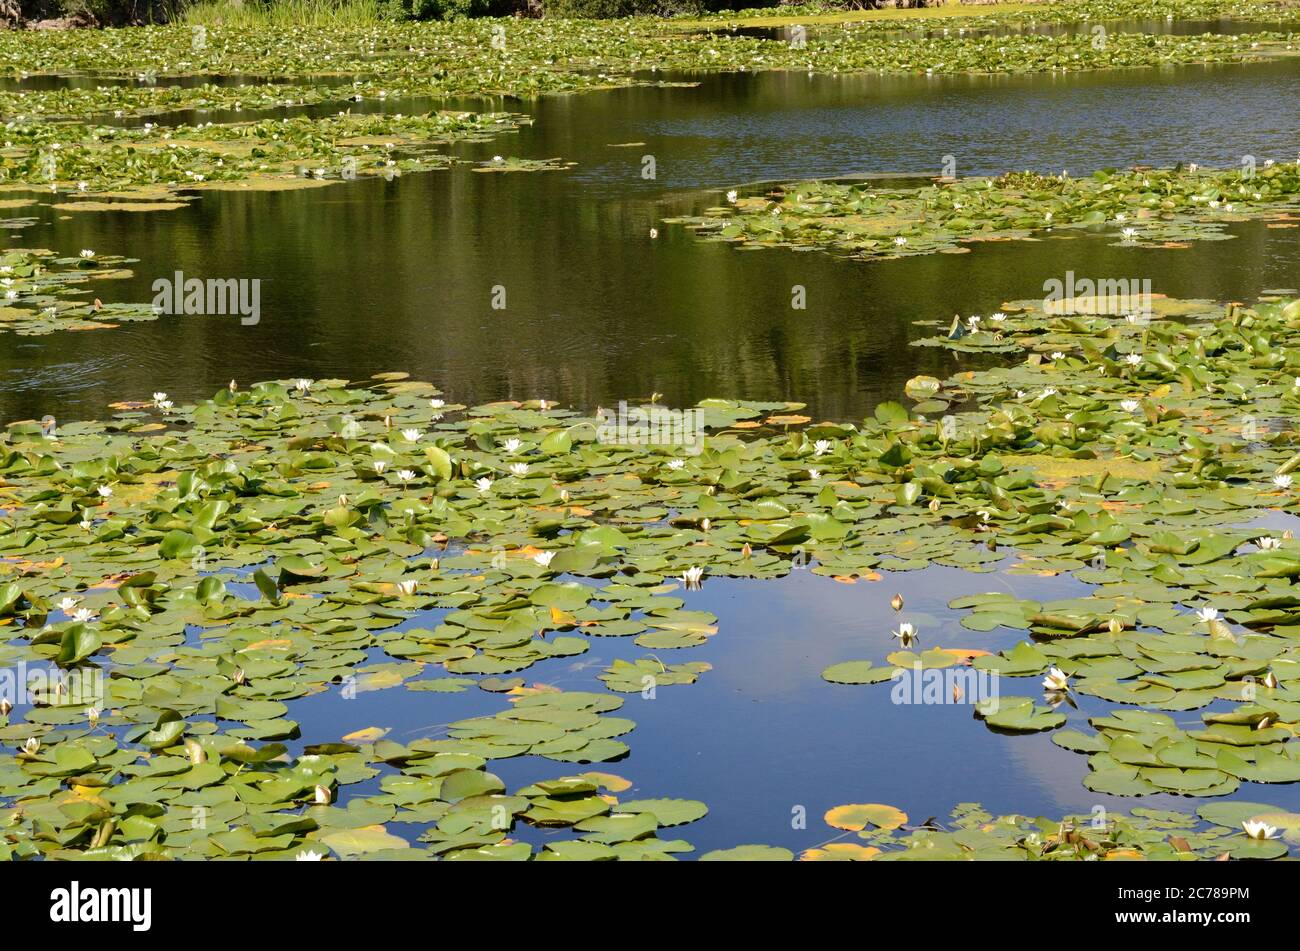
column 997, row 317
column 405, row 475
column 906, row 634
column 87, row 253
column 104, row 491
column 896, row 602
column 1133, row 359
column 32, row 746
column 900, row 241
column 814, row 474
column 1259, row 830
column 693, row 578
column 1057, row 355
column 159, row 397
column 380, row 465
column 92, row 714
column 821, row 447
column 67, row 604
column 437, row 403
column 1282, row 481
column 1129, row 406
column 407, row 586
column 519, row 468
column 544, row 558
column 84, row 615
column 484, row 484
column 303, row 386
column 322, row 795
column 411, row 435
column 1207, row 615
column 511, row 445
column 309, row 856
column 1056, row 681
column 1130, row 233
column 732, row 196
column 1267, row 543
column 676, row 464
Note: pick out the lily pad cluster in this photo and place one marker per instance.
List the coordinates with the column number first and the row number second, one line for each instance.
column 150, row 162
column 1141, row 207
column 44, row 291
column 973, row 834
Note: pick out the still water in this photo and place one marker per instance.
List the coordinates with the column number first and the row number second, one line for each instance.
column 370, row 276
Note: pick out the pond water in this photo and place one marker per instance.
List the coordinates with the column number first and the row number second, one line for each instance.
column 371, row 276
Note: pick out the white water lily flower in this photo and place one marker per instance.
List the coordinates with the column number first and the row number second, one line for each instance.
column 92, row 714
column 1129, row 406
column 165, row 405
column 407, row 587
column 1058, row 355
column 411, row 435
column 380, row 466
column 973, row 322
column 821, row 447
column 1282, row 481
column 159, row 396
column 732, row 196
column 1207, row 615
column 437, row 404
column 654, row 233
column 87, row 253
column 302, row 386
column 997, row 317
column 32, row 746
column 405, row 475
column 814, row 474
column 67, row 604
column 1268, row 543
column 484, row 484
column 1133, row 359
column 322, row 795
column 1056, row 681
column 1259, row 830
column 511, row 445
column 1130, row 233
column 84, row 615
column 693, row 578
column 543, row 558
column 309, row 856
column 676, row 464
column 519, row 468
column 104, row 491
column 900, row 241
column 906, row 634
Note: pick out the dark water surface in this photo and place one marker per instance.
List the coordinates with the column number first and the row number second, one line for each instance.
column 370, row 276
